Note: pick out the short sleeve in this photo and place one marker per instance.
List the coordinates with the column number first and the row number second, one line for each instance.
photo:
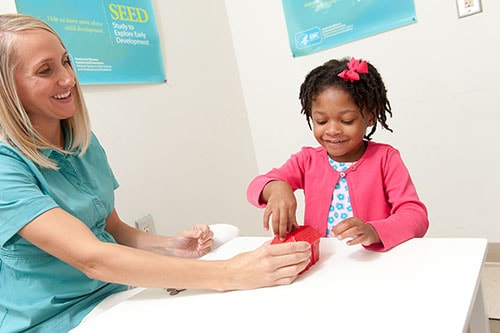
column 22, row 196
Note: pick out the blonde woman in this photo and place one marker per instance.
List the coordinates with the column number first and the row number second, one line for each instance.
column 63, row 246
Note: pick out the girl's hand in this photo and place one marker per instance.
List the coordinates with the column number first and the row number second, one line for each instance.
column 358, row 231
column 193, row 242
column 281, row 208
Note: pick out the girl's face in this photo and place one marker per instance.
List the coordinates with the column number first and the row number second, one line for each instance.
column 44, row 78
column 338, row 125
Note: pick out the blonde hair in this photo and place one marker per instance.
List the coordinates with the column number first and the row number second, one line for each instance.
column 16, row 128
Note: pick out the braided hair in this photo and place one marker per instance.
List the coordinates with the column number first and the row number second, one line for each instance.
column 368, row 92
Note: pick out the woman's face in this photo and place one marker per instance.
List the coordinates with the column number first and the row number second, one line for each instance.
column 338, row 125
column 44, row 78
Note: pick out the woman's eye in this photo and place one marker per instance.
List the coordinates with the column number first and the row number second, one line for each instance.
column 44, row 71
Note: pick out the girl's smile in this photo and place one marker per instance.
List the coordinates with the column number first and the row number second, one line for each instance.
column 339, row 125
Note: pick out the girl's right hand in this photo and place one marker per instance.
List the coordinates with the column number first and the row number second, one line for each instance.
column 281, row 208
column 268, row 265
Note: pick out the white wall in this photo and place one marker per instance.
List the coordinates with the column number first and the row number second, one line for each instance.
column 181, row 151
column 184, row 151
column 442, row 74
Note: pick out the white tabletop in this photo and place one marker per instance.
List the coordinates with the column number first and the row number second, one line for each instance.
column 423, row 285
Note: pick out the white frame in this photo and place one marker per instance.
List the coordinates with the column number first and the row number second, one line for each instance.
column 468, row 7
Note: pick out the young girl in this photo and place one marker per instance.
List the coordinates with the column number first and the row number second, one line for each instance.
column 354, row 188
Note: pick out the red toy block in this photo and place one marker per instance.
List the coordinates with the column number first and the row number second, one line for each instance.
column 303, row 233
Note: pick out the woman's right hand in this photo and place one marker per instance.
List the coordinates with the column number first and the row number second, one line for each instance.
column 268, row 265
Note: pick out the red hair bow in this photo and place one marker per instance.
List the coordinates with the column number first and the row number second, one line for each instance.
column 355, row 68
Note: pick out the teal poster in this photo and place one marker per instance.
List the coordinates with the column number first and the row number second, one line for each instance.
column 316, row 25
column 108, row 41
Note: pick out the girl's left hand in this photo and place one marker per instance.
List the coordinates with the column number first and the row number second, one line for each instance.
column 193, row 242
column 357, row 230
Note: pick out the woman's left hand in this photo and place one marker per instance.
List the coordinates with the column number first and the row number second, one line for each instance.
column 193, row 242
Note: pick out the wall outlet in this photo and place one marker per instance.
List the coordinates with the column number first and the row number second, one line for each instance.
column 146, row 224
column 468, row 7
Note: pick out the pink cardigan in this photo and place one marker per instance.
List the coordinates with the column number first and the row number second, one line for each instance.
column 380, row 187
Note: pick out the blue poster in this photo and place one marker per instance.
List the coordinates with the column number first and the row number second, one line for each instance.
column 315, row 25
column 108, row 41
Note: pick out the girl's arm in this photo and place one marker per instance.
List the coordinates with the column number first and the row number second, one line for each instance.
column 408, row 215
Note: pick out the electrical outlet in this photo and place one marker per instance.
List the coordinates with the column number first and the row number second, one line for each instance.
column 146, row 224
column 468, row 7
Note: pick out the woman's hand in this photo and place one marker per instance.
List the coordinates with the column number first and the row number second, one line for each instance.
column 193, row 242
column 268, row 265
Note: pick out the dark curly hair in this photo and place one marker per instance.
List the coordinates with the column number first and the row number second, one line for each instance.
column 368, row 92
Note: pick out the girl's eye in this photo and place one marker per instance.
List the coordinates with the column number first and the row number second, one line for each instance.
column 348, row 122
column 320, row 122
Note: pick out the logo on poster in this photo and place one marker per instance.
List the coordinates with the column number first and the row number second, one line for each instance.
column 128, row 13
column 308, row 38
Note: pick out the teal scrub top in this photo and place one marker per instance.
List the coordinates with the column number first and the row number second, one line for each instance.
column 38, row 292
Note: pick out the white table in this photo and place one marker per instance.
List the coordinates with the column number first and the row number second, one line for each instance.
column 423, row 285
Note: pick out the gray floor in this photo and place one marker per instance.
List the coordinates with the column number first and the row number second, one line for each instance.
column 490, row 279
column 494, row 326
column 491, row 293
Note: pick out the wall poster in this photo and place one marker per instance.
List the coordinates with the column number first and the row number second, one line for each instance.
column 108, row 41
column 315, row 25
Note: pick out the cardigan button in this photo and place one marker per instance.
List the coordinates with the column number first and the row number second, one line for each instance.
column 342, row 175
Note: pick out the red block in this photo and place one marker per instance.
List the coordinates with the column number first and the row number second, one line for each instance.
column 304, row 233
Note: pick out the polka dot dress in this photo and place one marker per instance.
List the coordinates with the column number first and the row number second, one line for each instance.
column 340, row 208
